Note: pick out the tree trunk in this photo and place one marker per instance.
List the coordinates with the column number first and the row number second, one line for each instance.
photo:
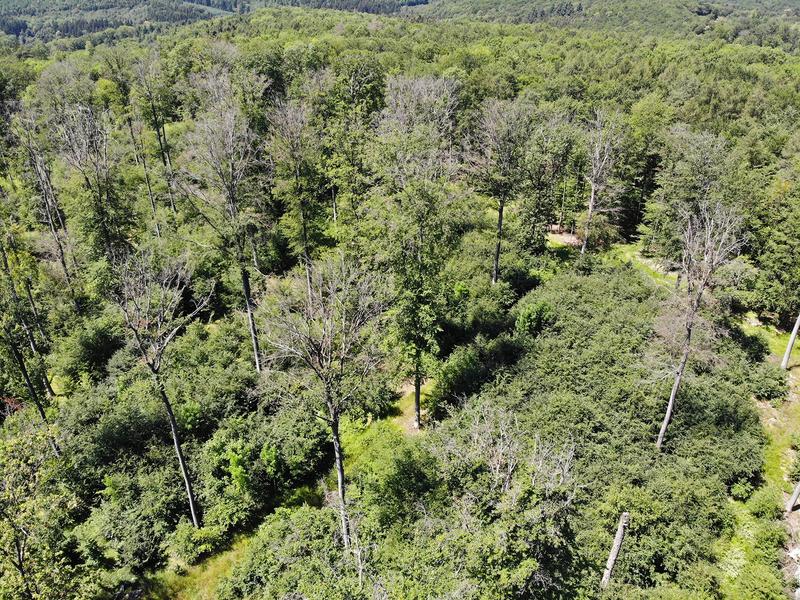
column 792, row 339
column 339, row 455
column 615, row 548
column 173, row 424
column 675, row 386
column 496, row 267
column 417, row 395
column 20, row 360
column 592, row 198
column 251, row 323
column 793, row 500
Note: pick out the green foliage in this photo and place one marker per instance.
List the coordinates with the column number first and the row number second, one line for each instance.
column 359, row 136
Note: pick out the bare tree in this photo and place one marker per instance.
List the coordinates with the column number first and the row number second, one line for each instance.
column 331, row 333
column 223, row 151
column 792, row 338
column 27, row 133
column 150, row 297
column 603, row 139
column 497, row 159
column 294, row 147
column 711, row 237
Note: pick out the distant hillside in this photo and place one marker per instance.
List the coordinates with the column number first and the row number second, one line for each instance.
column 772, row 23
column 46, row 20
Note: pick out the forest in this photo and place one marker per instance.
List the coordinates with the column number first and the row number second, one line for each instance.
column 316, row 304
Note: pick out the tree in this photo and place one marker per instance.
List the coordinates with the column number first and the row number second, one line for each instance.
column 85, row 135
column 223, row 152
column 497, row 162
column 29, row 135
column 34, row 560
column 603, row 139
column 330, row 330
column 415, row 163
column 295, row 147
column 155, row 103
column 711, row 237
column 151, row 297
column 548, row 153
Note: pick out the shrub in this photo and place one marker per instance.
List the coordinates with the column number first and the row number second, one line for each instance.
column 765, row 503
column 191, row 543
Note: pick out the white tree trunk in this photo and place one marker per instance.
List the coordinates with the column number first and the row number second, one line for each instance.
column 792, row 339
column 793, row 500
column 339, row 456
column 615, row 548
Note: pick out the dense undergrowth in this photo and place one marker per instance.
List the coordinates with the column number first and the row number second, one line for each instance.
column 184, row 222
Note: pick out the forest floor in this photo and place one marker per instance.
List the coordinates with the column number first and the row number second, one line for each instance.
column 200, row 581
column 782, row 425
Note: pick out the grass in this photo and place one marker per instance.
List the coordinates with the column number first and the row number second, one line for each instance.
column 200, row 581
column 632, row 254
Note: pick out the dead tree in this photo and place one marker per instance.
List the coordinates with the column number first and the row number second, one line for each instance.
column 792, row 338
column 294, row 147
column 223, row 151
column 497, row 161
column 331, row 333
column 27, row 134
column 711, row 237
column 84, row 133
column 150, row 297
column 603, row 141
column 624, row 519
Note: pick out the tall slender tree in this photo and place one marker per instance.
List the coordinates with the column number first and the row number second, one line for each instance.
column 497, row 160
column 330, row 329
column 415, row 163
column 223, row 152
column 150, row 297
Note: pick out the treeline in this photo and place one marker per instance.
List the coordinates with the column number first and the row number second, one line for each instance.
column 222, row 254
column 366, row 6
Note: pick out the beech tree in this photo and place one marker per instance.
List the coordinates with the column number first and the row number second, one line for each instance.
column 29, row 135
column 548, row 152
column 415, row 161
column 85, row 133
column 295, row 149
column 223, row 151
column 330, row 329
column 711, row 237
column 497, row 162
column 151, row 296
column 602, row 145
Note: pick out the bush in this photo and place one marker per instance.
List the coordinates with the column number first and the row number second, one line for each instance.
column 758, row 581
column 765, row 503
column 86, row 350
column 191, row 543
